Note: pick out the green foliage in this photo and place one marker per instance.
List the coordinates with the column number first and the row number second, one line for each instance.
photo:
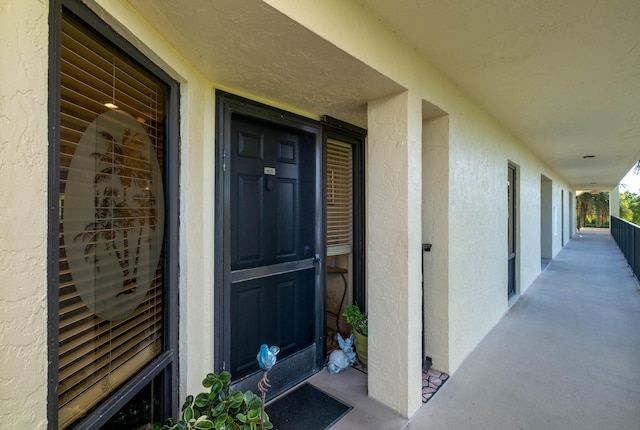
column 359, row 321
column 630, row 207
column 218, row 409
column 593, row 209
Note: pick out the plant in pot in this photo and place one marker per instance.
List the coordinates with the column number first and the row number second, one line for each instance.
column 360, row 324
column 218, row 409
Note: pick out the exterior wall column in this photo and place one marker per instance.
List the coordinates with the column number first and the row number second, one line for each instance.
column 435, row 230
column 614, row 202
column 394, row 201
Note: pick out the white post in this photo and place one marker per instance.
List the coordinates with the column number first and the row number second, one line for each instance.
column 394, row 200
column 614, row 202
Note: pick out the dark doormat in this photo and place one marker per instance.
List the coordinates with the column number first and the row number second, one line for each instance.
column 306, row 408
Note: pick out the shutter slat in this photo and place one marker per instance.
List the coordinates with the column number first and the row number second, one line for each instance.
column 66, row 346
column 92, row 393
column 339, row 197
column 95, row 352
column 97, row 356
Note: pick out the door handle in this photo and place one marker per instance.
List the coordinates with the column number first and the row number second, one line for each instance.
column 318, row 263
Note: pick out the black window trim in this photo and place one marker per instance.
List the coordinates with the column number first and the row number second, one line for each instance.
column 169, row 359
column 355, row 136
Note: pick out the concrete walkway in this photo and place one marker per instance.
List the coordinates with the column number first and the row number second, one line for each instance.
column 566, row 356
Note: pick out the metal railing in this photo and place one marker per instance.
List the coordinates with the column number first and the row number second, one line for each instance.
column 627, row 236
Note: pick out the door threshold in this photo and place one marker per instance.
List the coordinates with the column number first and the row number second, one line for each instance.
column 285, row 374
column 512, row 300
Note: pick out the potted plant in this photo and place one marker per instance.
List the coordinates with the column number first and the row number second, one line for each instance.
column 360, row 324
column 219, row 409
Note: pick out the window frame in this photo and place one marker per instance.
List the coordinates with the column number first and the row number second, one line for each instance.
column 348, row 133
column 167, row 362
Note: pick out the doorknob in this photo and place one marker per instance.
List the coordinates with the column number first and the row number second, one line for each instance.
column 318, row 262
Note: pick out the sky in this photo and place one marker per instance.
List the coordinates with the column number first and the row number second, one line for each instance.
column 632, row 180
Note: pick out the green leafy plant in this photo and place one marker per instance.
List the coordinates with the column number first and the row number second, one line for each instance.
column 218, row 409
column 359, row 321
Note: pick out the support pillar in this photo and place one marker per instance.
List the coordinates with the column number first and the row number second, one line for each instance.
column 614, row 201
column 394, row 296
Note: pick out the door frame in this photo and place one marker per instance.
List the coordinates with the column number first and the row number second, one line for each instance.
column 228, row 104
column 562, row 217
column 512, row 241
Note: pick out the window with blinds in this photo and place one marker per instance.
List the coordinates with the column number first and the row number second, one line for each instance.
column 339, row 197
column 111, row 267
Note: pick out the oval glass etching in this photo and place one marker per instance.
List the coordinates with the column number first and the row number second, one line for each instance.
column 113, row 217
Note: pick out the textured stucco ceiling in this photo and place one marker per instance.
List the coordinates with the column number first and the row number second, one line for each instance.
column 247, row 45
column 563, row 76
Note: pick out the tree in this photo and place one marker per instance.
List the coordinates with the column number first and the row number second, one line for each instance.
column 630, row 207
column 593, row 209
column 601, row 208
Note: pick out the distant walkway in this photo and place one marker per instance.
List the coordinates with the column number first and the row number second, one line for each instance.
column 566, row 355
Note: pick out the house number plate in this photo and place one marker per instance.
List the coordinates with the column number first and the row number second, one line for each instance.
column 270, row 171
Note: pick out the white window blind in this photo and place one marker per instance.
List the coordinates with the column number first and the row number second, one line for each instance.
column 111, row 271
column 339, row 198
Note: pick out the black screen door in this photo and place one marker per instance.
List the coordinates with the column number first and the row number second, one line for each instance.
column 272, row 231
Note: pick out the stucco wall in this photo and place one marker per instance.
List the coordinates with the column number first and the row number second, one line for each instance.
column 546, row 217
column 435, row 222
column 479, row 152
column 469, row 269
column 478, row 227
column 23, row 196
column 393, row 288
column 23, row 213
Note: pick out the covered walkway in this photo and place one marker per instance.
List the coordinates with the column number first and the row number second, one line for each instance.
column 565, row 356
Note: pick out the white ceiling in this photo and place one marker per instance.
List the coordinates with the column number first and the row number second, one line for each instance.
column 561, row 75
column 247, row 45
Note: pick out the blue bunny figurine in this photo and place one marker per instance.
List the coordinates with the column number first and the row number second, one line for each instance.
column 340, row 359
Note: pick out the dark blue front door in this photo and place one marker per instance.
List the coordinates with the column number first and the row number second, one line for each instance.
column 272, row 279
